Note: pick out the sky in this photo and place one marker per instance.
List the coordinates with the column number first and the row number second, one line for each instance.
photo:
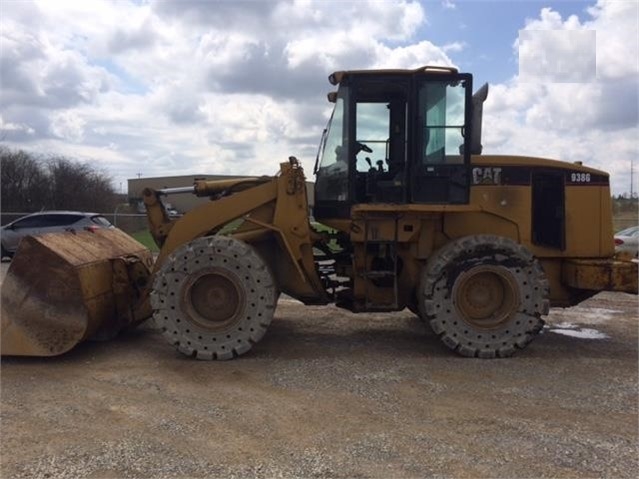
column 162, row 88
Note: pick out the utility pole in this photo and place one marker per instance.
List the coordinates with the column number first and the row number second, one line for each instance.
column 632, row 180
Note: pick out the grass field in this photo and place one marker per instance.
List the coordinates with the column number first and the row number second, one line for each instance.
column 146, row 239
column 624, row 220
column 144, row 236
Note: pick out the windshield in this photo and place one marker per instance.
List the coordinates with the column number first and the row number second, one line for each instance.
column 332, row 174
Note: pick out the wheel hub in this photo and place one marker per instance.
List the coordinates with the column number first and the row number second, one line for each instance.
column 486, row 296
column 213, row 299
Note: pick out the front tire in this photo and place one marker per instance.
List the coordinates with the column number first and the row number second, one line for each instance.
column 214, row 298
column 484, row 296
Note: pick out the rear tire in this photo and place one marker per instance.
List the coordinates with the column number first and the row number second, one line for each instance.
column 214, row 298
column 484, row 296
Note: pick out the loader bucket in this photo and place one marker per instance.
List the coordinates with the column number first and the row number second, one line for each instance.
column 64, row 288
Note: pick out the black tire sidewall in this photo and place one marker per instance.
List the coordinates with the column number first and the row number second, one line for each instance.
column 437, row 300
column 238, row 259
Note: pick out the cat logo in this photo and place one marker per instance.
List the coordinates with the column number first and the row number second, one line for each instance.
column 487, row 176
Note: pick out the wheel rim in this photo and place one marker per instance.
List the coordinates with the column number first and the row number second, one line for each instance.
column 214, row 299
column 486, row 296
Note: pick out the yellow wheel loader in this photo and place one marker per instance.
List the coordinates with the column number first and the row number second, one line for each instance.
column 408, row 213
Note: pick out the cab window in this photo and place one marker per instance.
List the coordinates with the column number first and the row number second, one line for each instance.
column 442, row 118
column 372, row 129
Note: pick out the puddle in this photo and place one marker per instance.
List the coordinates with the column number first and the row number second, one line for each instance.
column 569, row 329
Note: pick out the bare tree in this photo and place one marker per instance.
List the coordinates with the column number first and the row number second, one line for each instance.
column 24, row 184
column 74, row 184
column 30, row 183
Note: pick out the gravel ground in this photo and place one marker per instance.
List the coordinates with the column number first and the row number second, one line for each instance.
column 332, row 394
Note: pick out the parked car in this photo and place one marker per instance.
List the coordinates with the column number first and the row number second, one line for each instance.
column 627, row 241
column 47, row 222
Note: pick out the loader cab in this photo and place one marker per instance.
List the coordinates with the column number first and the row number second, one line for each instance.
column 395, row 136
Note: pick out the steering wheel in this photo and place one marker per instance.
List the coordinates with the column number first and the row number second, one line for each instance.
column 362, row 147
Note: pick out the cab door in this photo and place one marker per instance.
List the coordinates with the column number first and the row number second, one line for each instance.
column 380, row 139
column 441, row 157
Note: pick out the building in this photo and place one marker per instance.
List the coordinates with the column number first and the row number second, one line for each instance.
column 184, row 202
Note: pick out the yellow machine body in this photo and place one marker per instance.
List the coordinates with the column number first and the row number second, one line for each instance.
column 479, row 246
column 272, row 215
column 62, row 289
column 499, row 210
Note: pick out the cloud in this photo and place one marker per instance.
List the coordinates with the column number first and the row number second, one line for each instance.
column 183, row 85
column 15, row 130
column 454, row 47
column 557, row 55
column 236, row 87
column 595, row 122
column 137, row 38
column 68, row 125
column 571, row 41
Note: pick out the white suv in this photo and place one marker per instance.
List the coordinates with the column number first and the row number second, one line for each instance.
column 48, row 222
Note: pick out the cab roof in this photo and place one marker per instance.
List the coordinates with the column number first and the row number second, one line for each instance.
column 335, row 78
